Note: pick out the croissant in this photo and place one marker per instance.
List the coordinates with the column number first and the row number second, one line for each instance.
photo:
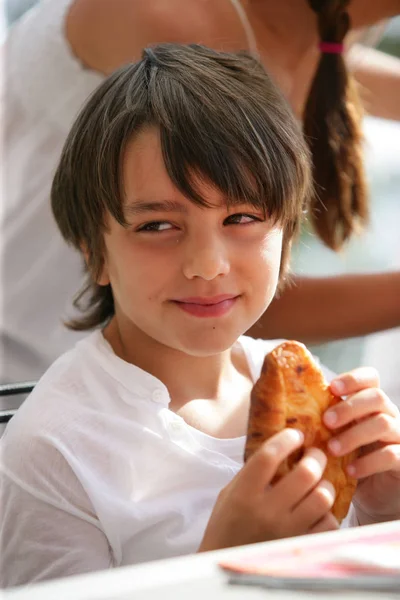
column 292, row 392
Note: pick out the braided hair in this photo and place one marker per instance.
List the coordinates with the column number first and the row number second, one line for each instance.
column 332, row 126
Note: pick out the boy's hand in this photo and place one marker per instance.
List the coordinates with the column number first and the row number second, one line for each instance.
column 249, row 510
column 376, row 432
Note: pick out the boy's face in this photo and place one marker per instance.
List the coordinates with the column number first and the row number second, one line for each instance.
column 186, row 277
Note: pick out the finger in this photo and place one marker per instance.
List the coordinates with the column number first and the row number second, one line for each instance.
column 292, row 488
column 263, row 464
column 359, row 405
column 354, row 381
column 327, row 523
column 314, row 507
column 387, row 458
column 378, row 428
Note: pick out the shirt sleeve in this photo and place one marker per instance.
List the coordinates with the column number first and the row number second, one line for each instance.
column 42, row 74
column 350, row 519
column 49, row 527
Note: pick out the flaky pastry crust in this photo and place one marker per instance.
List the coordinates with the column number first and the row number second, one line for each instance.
column 292, row 392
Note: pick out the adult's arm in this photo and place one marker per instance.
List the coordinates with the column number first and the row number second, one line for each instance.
column 379, row 77
column 316, row 310
column 378, row 73
column 364, row 13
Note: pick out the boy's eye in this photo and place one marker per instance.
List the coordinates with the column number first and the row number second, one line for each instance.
column 236, row 219
column 156, row 226
column 241, row 219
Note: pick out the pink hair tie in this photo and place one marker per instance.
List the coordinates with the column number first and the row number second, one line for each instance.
column 331, row 47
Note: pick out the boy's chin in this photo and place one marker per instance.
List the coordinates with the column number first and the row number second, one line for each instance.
column 208, row 344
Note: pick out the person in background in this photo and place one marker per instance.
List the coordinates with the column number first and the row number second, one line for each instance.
column 182, row 184
column 61, row 51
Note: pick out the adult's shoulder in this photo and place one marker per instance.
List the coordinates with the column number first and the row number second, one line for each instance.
column 106, row 34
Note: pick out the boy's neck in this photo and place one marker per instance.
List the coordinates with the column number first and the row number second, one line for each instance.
column 186, row 377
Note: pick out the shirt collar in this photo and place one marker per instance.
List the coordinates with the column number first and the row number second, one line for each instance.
column 137, row 381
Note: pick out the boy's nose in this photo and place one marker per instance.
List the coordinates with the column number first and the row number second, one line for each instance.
column 207, row 260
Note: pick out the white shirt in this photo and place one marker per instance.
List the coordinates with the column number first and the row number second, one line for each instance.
column 43, row 90
column 98, row 472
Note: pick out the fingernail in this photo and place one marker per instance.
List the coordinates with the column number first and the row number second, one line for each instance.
column 271, row 449
column 334, row 446
column 299, row 434
column 330, row 417
column 338, row 386
column 330, row 488
column 351, row 470
column 316, row 463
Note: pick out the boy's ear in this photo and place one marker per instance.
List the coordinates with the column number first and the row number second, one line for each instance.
column 103, row 278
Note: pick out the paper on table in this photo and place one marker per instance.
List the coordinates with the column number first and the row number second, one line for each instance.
column 367, row 554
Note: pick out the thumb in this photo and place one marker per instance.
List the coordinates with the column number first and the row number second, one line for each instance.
column 261, row 467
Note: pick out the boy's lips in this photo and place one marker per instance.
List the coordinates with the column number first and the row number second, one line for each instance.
column 203, row 306
column 206, row 300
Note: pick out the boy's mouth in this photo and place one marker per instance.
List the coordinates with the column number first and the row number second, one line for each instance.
column 207, row 306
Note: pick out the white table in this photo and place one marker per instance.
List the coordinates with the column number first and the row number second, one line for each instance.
column 195, row 577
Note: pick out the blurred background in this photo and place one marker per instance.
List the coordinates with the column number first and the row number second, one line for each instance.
column 376, row 250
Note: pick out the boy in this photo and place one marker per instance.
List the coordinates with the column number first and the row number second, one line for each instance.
column 182, row 183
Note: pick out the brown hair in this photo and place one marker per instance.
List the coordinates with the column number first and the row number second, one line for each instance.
column 332, row 127
column 219, row 117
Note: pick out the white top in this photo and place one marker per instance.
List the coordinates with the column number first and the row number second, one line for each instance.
column 98, row 472
column 44, row 88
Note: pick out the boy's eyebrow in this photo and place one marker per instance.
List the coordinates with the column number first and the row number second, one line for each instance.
column 138, row 207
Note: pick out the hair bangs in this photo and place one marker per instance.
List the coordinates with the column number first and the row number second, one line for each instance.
column 238, row 177
column 219, row 138
column 234, row 151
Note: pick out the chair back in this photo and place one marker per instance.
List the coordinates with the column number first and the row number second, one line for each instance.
column 14, row 389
